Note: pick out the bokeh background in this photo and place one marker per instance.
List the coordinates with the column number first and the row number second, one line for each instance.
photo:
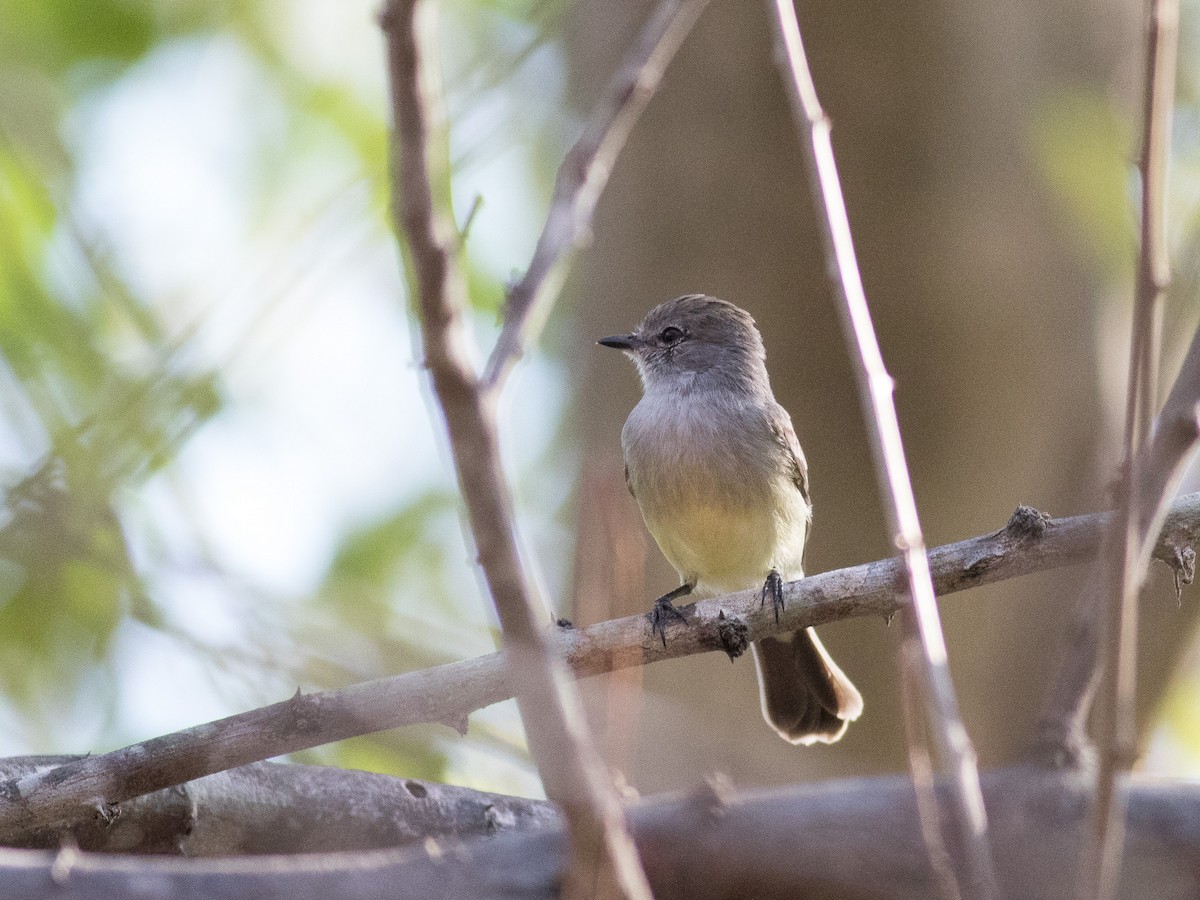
column 222, row 476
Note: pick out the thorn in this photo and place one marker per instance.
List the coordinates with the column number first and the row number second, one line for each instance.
column 716, row 794
column 1183, row 566
column 887, row 618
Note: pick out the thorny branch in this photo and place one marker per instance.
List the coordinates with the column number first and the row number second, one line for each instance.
column 447, row 694
column 922, row 654
column 603, row 858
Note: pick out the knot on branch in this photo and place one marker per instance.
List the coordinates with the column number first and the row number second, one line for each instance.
column 1027, row 522
column 495, row 819
column 733, row 634
column 107, row 812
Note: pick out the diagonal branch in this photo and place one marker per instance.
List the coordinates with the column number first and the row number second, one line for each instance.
column 583, row 176
column 922, row 654
column 604, row 860
column 447, row 694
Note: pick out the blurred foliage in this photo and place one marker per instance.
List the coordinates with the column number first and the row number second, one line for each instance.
column 103, row 386
column 1084, row 148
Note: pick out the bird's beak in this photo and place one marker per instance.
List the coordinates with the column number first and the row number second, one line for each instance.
column 621, row 341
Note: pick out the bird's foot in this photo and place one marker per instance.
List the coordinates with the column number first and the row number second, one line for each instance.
column 773, row 588
column 664, row 610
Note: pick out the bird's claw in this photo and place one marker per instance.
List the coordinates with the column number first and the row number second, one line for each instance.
column 773, row 587
column 663, row 611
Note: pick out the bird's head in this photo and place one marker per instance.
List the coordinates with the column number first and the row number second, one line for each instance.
column 695, row 336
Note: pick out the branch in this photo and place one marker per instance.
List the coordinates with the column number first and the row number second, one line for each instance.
column 1124, row 576
column 292, row 808
column 922, row 653
column 604, row 861
column 583, row 176
column 712, row 845
column 447, row 694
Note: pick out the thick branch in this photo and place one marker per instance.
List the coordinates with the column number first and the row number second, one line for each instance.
column 276, row 808
column 603, row 860
column 583, row 176
column 922, row 654
column 838, row 840
column 448, row 693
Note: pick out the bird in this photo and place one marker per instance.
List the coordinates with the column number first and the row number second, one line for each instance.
column 718, row 473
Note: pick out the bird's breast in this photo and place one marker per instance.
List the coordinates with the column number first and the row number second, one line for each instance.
column 714, row 493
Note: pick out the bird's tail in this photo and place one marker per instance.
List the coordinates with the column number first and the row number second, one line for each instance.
column 806, row 698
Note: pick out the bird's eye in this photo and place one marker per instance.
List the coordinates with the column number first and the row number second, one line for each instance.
column 670, row 335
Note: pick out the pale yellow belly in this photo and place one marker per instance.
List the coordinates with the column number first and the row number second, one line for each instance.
column 724, row 549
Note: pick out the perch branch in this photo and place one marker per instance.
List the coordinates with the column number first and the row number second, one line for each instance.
column 604, row 859
column 449, row 693
column 583, row 176
column 922, row 654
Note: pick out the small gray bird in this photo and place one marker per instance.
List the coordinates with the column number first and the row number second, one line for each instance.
column 715, row 466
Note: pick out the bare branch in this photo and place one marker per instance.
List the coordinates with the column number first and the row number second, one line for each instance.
column 285, row 808
column 964, row 822
column 447, row 694
column 804, row 841
column 604, row 860
column 1124, row 576
column 583, row 176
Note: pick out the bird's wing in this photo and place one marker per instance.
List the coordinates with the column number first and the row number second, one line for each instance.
column 785, row 434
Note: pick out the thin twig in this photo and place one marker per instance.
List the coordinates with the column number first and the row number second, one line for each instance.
column 964, row 819
column 447, row 694
column 604, row 860
column 1125, row 575
column 583, row 176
